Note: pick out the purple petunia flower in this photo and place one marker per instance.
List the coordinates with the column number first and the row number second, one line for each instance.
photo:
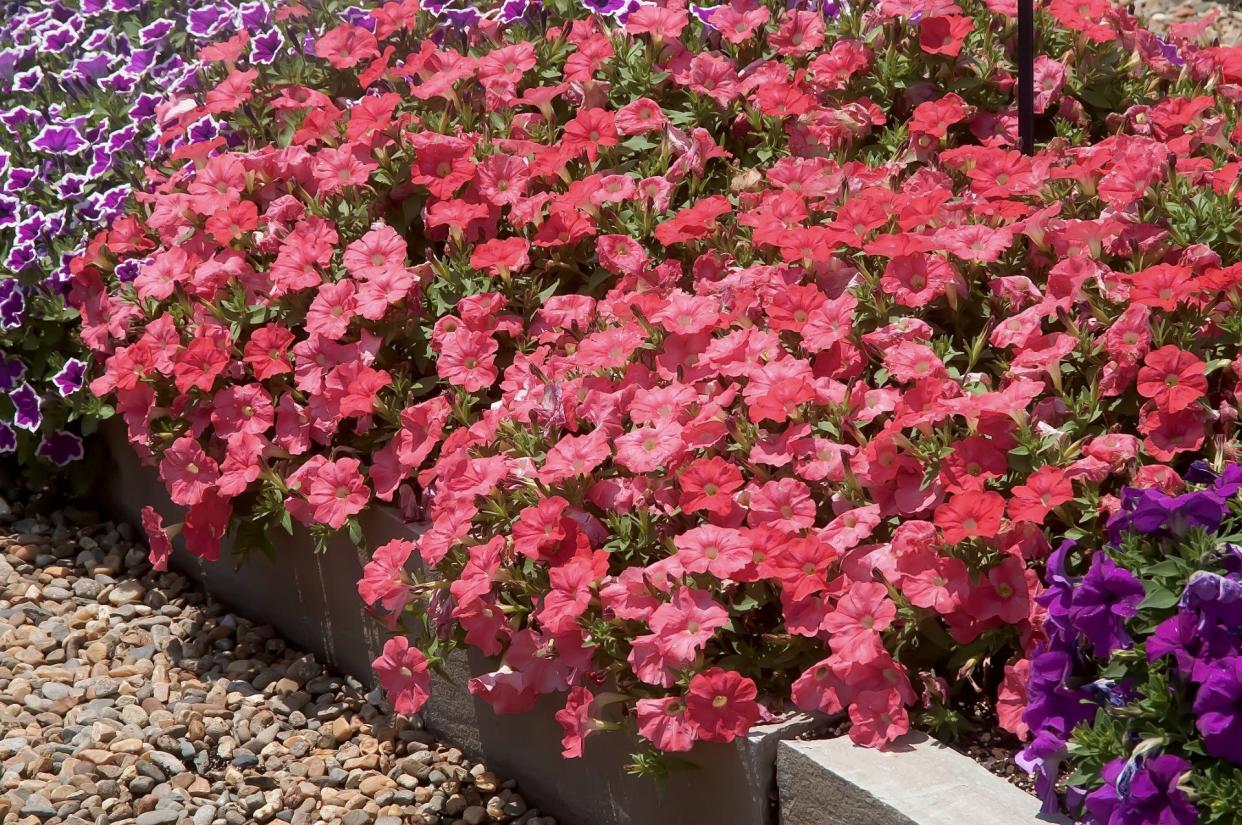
column 264, row 48
column 203, row 129
column 144, row 107
column 255, row 15
column 28, row 80
column 1195, row 648
column 206, row 21
column 1108, row 595
column 1043, row 757
column 140, row 61
column 70, row 378
column 122, row 139
column 1051, row 704
column 29, row 406
column 513, row 10
column 603, row 6
column 10, row 211
column 156, row 31
column 1138, row 791
column 463, row 18
column 12, row 304
column 20, row 257
column 59, row 140
column 1154, row 513
column 1216, row 598
column 11, row 371
column 61, row 448
column 19, row 180
column 622, row 15
column 1171, row 53
column 1229, row 482
column 128, row 270
column 360, row 17
column 90, row 209
column 1218, row 710
column 95, row 67
column 31, row 229
column 8, row 438
column 20, row 116
column 58, row 38
column 71, row 185
column 703, row 14
column 101, row 161
column 97, row 39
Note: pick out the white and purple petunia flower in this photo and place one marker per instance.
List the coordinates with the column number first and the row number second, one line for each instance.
column 144, row 107
column 69, row 187
column 10, row 211
column 12, row 301
column 204, row 129
column 101, row 161
column 55, row 39
column 266, row 47
column 20, row 116
column 140, row 61
column 95, row 67
column 12, row 370
column 61, row 448
column 29, row 80
column 603, row 6
column 464, row 18
column 513, row 10
column 32, row 228
column 29, row 407
column 207, row 21
column 97, row 39
column 156, row 31
column 70, row 378
column 20, row 257
column 128, row 269
column 255, row 15
column 122, row 139
column 59, row 140
column 360, row 17
column 8, row 438
column 19, row 179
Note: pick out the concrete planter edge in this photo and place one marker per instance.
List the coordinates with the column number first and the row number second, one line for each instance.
column 918, row 781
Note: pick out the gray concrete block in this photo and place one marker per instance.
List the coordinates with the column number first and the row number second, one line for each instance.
column 917, row 781
column 311, row 598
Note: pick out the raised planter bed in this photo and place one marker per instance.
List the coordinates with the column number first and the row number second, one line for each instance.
column 311, row 598
column 918, row 781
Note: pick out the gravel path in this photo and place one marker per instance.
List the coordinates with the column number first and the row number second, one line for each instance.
column 127, row 697
column 1161, row 14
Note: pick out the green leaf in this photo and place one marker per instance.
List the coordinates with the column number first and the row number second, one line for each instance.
column 1158, row 598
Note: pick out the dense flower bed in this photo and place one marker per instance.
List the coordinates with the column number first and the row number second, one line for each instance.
column 1135, row 698
column 81, row 88
column 735, row 356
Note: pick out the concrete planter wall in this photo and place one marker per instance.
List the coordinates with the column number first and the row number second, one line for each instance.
column 312, row 600
column 919, row 781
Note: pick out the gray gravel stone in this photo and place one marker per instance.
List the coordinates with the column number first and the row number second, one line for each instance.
column 173, row 711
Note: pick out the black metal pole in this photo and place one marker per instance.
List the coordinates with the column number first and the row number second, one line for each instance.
column 1026, row 76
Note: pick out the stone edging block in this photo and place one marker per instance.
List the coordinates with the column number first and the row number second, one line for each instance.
column 917, row 781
